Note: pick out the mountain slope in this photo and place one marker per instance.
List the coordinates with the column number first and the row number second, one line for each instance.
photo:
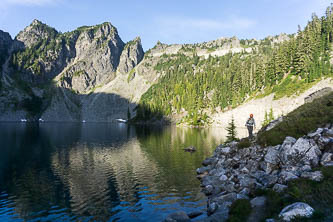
column 91, row 74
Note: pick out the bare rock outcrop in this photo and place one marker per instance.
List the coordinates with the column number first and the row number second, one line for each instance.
column 131, row 56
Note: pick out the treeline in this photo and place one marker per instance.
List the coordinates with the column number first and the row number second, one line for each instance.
column 192, row 83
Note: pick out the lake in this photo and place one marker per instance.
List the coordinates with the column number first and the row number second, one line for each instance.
column 100, row 171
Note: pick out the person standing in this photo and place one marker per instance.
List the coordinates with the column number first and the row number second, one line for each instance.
column 250, row 124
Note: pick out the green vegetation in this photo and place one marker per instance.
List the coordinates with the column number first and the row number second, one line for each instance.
column 232, row 134
column 239, row 210
column 268, row 117
column 193, row 83
column 319, row 195
column 131, row 75
column 244, row 143
column 79, row 73
column 299, row 122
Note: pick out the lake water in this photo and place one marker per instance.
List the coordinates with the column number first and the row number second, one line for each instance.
column 100, row 172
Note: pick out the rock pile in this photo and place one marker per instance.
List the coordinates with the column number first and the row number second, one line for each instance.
column 233, row 173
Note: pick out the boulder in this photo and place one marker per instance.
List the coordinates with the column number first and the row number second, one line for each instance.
column 315, row 176
column 327, row 159
column 195, row 214
column 268, row 180
column 285, row 176
column 304, row 151
column 208, row 161
column 212, row 207
column 204, row 169
column 316, row 133
column 179, row 216
column 279, row 188
column 220, row 215
column 297, row 209
column 323, row 142
column 258, row 209
column 272, row 155
column 273, row 123
column 258, row 201
column 208, row 190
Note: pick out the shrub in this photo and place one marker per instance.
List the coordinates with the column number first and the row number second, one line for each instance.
column 244, row 143
column 239, row 210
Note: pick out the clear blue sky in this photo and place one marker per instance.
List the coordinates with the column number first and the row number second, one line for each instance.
column 172, row 21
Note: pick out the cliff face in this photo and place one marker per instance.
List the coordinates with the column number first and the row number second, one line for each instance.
column 54, row 76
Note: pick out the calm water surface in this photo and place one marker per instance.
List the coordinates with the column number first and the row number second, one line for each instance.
column 100, row 172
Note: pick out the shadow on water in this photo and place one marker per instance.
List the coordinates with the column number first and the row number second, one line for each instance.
column 99, row 171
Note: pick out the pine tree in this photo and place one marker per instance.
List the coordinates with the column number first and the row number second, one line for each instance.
column 231, row 131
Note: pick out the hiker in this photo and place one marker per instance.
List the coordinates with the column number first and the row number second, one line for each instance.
column 250, row 123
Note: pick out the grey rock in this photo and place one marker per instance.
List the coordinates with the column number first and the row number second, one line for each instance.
column 327, row 159
column 220, row 215
column 272, row 155
column 223, row 178
column 34, row 32
column 317, row 94
column 230, row 198
column 195, row 214
column 267, row 167
column 279, row 188
column 316, row 133
column 324, row 141
column 225, row 150
column 273, row 123
column 268, row 180
column 258, row 201
column 131, row 56
column 208, row 161
column 179, row 216
column 297, row 209
column 204, row 169
column 246, row 181
column 245, row 191
column 208, row 190
column 258, row 209
column 286, row 176
column 212, row 207
column 328, row 133
column 315, row 176
column 242, row 196
column 304, row 151
column 306, row 168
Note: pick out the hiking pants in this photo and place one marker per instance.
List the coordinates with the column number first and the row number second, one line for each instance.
column 250, row 129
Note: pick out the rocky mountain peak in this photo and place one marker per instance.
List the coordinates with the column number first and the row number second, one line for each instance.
column 35, row 32
column 131, row 56
column 5, row 38
column 36, row 22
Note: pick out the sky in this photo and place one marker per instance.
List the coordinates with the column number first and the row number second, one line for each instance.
column 172, row 21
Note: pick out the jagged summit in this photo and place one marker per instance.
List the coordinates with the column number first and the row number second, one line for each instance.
column 35, row 32
column 36, row 22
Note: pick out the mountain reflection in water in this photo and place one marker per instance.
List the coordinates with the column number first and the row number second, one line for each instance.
column 100, row 172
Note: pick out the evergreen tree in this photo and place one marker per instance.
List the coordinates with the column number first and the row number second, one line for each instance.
column 231, row 131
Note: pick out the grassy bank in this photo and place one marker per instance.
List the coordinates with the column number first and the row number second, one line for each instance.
column 299, row 122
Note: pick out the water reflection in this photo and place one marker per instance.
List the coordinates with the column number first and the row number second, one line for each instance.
column 100, row 172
